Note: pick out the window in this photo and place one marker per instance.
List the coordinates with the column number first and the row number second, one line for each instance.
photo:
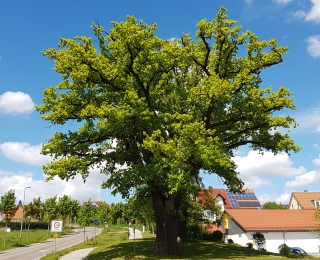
column 208, row 214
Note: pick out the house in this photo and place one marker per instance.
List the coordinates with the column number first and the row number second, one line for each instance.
column 226, row 199
column 94, row 204
column 304, row 200
column 16, row 217
column 278, row 227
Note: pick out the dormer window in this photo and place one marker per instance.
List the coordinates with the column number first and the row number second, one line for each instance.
column 316, row 203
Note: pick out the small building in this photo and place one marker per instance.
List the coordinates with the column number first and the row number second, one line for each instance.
column 226, row 199
column 304, row 200
column 279, row 226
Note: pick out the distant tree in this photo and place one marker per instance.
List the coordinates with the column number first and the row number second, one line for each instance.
column 272, row 205
column 86, row 216
column 104, row 213
column 8, row 207
column 119, row 212
column 64, row 206
column 50, row 210
column 33, row 210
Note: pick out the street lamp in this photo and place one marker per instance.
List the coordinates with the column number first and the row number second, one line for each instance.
column 24, row 196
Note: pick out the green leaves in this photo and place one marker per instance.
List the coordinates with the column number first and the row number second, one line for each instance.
column 8, row 206
column 170, row 107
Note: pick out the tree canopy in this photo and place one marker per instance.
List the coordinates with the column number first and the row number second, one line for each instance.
column 153, row 112
column 272, row 205
column 8, row 206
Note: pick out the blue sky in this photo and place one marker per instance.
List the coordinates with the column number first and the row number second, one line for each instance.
column 29, row 27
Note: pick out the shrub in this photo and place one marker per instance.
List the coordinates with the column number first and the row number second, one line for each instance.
column 259, row 239
column 284, row 249
column 250, row 245
column 217, row 236
column 230, row 241
column 195, row 231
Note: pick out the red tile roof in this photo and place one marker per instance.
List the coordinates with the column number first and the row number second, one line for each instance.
column 213, row 193
column 18, row 214
column 274, row 219
column 212, row 227
column 305, row 198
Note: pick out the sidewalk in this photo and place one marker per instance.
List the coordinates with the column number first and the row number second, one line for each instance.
column 77, row 255
column 135, row 233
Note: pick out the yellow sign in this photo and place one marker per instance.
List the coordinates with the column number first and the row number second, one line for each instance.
column 225, row 223
column 55, row 235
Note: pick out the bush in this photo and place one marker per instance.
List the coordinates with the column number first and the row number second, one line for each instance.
column 259, row 239
column 284, row 249
column 217, row 236
column 17, row 225
column 230, row 241
column 195, row 231
column 250, row 245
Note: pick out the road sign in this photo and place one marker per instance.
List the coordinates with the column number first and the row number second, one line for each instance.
column 56, row 225
column 95, row 222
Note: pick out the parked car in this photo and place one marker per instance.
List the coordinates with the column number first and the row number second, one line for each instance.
column 298, row 251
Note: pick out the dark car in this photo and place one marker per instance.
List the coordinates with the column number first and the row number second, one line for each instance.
column 297, row 251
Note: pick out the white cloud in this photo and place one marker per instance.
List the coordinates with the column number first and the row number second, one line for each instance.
column 248, row 1
column 16, row 103
column 299, row 15
column 268, row 164
column 254, row 182
column 314, row 14
column 283, row 198
column 39, row 188
column 316, row 162
column 281, row 2
column 308, row 121
column 24, row 152
column 303, row 180
column 313, row 47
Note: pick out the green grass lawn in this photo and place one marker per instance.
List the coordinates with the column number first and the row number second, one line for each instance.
column 114, row 244
column 13, row 238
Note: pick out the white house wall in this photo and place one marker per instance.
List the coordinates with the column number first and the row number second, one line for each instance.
column 305, row 240
column 240, row 239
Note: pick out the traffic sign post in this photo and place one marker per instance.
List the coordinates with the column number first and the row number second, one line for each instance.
column 56, row 226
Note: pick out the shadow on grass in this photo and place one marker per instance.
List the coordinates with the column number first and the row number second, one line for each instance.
column 187, row 250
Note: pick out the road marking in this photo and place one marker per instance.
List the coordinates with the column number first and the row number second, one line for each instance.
column 41, row 251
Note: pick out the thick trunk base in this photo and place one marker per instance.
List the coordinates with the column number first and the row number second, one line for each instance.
column 167, row 223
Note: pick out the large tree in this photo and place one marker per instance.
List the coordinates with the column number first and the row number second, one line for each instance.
column 154, row 112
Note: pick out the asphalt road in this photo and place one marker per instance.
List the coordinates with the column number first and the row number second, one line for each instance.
column 38, row 250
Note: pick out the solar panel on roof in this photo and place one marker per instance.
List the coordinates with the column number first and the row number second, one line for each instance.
column 249, row 203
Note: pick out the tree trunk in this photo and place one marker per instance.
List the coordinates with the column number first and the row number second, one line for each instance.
column 167, row 222
column 182, row 232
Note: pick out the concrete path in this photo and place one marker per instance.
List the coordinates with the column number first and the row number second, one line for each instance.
column 78, row 254
column 134, row 233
